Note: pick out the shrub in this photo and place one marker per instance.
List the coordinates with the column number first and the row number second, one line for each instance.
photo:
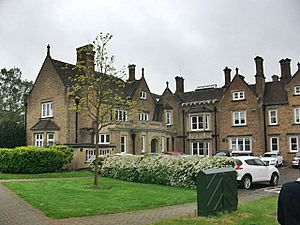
column 34, row 159
column 166, row 170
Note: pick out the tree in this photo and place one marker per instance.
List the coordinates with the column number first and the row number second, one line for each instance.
column 12, row 90
column 100, row 92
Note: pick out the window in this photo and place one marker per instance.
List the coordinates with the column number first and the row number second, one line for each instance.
column 297, row 90
column 121, row 115
column 200, row 148
column 89, row 154
column 143, row 95
column 273, row 117
column 240, row 144
column 294, row 144
column 123, row 144
column 274, row 143
column 297, row 115
column 103, row 139
column 168, row 118
column 143, row 143
column 239, row 118
column 47, row 109
column 50, row 139
column 144, row 116
column 238, row 95
column 200, row 122
column 39, row 140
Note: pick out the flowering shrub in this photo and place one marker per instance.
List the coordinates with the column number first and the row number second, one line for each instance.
column 167, row 170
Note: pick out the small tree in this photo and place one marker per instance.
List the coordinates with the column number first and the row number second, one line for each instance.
column 99, row 93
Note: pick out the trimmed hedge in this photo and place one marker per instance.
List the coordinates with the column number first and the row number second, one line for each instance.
column 34, row 159
column 167, row 170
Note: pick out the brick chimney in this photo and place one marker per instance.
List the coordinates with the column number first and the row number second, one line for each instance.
column 227, row 76
column 85, row 56
column 179, row 84
column 259, row 77
column 131, row 72
column 285, row 65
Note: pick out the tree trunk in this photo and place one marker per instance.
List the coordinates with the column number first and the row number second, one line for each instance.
column 96, row 175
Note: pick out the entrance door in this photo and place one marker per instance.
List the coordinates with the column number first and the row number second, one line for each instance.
column 154, row 145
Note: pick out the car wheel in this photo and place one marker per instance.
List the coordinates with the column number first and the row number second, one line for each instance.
column 274, row 179
column 246, row 182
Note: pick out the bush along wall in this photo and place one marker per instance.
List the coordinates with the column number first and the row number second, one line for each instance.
column 34, row 159
column 167, row 170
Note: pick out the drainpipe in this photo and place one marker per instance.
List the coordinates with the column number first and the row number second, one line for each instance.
column 216, row 127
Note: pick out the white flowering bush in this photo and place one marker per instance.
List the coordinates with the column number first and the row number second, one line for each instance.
column 167, row 170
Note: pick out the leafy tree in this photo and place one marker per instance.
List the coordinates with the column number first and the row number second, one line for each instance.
column 12, row 90
column 100, row 93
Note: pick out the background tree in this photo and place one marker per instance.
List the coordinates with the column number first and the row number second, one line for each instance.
column 101, row 93
column 12, row 90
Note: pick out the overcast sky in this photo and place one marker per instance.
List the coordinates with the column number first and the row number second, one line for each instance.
column 195, row 39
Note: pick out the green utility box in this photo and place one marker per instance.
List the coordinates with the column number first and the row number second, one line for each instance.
column 216, row 191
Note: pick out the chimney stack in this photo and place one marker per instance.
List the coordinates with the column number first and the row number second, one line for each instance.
column 227, row 75
column 85, row 56
column 131, row 71
column 285, row 65
column 179, row 84
column 259, row 77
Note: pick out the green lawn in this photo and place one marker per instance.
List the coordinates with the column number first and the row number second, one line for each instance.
column 82, row 173
column 258, row 212
column 75, row 197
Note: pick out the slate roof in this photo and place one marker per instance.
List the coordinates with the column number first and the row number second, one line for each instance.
column 275, row 93
column 45, row 125
column 64, row 70
column 202, row 95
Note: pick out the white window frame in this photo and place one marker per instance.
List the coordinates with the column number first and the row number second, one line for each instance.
column 143, row 116
column 274, row 141
column 89, row 154
column 50, row 141
column 143, row 139
column 295, row 144
column 39, row 139
column 238, row 117
column 168, row 118
column 238, row 95
column 297, row 90
column 121, row 115
column 198, row 124
column 297, row 115
column 143, row 95
column 123, row 144
column 200, row 147
column 273, row 117
column 240, row 144
column 104, row 138
column 47, row 109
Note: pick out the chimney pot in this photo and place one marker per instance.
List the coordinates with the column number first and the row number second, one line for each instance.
column 259, row 65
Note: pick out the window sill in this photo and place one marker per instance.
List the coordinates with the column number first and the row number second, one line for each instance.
column 239, row 125
column 273, row 125
column 238, row 100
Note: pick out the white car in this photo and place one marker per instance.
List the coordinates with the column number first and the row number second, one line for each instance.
column 252, row 169
column 272, row 158
column 296, row 159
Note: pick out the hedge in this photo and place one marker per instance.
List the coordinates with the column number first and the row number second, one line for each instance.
column 34, row 159
column 167, row 170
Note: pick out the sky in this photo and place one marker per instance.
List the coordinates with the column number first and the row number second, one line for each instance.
column 195, row 39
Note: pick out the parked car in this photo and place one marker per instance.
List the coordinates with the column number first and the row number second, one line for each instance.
column 273, row 158
column 296, row 159
column 223, row 153
column 252, row 169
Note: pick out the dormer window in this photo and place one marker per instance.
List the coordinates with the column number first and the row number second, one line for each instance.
column 47, row 109
column 297, row 90
column 238, row 95
column 143, row 95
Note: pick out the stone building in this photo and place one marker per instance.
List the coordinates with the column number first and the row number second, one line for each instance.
column 239, row 117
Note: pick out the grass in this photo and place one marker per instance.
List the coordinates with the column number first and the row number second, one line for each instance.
column 258, row 212
column 82, row 173
column 74, row 197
